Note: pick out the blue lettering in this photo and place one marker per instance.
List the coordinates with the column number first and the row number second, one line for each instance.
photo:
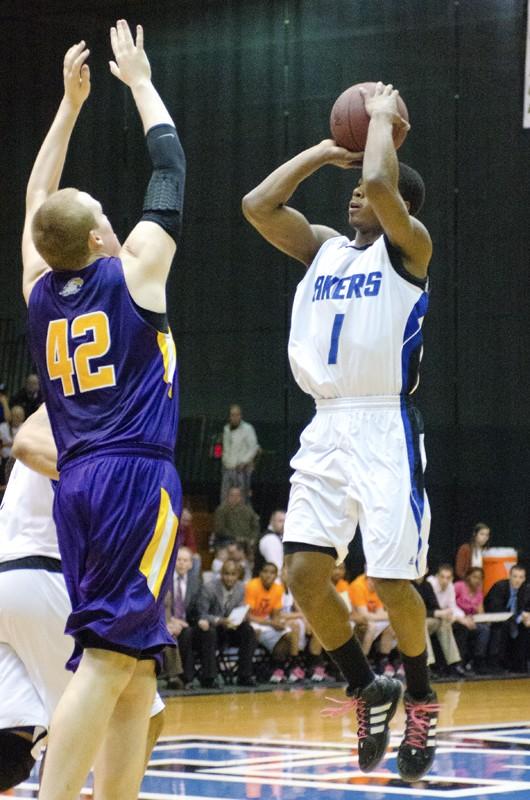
column 338, row 294
column 373, row 284
column 318, row 287
column 329, row 283
column 356, row 284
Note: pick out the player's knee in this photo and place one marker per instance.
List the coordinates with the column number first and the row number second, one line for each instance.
column 16, row 761
column 392, row 591
column 305, row 583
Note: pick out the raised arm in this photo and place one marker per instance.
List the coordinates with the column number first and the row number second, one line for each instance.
column 380, row 182
column 149, row 249
column 284, row 227
column 48, row 167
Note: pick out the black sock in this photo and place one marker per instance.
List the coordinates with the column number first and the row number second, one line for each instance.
column 353, row 664
column 417, row 675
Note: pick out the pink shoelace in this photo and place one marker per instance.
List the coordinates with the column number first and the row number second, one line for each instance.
column 344, row 707
column 418, row 723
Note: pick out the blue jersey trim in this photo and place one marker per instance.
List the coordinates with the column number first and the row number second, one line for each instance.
column 412, row 346
column 413, row 427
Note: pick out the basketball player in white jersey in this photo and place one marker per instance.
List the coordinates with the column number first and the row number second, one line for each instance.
column 34, row 606
column 355, row 346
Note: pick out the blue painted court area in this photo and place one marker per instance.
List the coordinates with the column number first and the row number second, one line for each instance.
column 471, row 763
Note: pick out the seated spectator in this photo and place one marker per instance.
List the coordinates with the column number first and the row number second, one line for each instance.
column 217, row 600
column 370, row 612
column 510, row 641
column 265, row 600
column 338, row 578
column 439, row 623
column 472, row 641
column 270, row 547
column 29, row 397
column 305, row 639
column 8, row 431
column 444, row 589
column 470, row 554
column 186, row 531
column 182, row 613
column 235, row 551
column 5, row 412
column 234, row 520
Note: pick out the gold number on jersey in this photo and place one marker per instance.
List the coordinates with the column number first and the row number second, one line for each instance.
column 62, row 366
column 59, row 363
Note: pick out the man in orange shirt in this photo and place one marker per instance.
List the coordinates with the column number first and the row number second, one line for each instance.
column 265, row 599
column 370, row 612
column 338, row 578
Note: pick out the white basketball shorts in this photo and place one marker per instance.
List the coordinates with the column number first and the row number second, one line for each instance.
column 34, row 606
column 361, row 462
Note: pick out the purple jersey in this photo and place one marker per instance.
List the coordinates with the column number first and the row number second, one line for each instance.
column 109, row 378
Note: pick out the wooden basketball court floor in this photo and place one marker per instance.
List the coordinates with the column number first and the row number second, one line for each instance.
column 276, row 746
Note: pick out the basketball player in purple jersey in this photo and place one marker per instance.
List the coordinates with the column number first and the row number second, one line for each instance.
column 100, row 338
column 355, row 345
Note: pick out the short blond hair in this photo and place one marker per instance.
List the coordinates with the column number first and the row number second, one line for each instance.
column 60, row 230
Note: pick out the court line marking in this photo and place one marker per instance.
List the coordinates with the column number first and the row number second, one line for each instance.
column 493, row 787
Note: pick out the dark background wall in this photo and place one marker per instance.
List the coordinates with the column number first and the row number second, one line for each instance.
column 251, row 83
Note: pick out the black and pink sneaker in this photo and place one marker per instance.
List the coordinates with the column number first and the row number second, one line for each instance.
column 375, row 706
column 416, row 751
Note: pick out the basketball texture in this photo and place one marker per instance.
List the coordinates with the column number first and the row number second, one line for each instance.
column 349, row 121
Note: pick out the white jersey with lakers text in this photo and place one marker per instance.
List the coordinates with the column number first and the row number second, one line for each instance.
column 356, row 323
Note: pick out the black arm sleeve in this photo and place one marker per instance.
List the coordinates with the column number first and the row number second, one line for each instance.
column 164, row 197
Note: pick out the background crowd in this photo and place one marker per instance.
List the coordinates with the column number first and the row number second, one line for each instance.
column 234, row 619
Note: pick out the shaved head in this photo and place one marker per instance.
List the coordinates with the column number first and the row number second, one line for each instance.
column 61, row 229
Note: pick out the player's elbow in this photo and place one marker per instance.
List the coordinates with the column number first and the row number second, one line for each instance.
column 21, row 449
column 249, row 206
column 254, row 206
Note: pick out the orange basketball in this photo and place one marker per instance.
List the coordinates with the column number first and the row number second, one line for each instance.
column 349, row 121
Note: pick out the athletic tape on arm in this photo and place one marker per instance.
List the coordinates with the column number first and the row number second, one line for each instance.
column 165, row 193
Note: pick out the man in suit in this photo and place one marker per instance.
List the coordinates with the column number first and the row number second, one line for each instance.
column 181, row 618
column 510, row 640
column 216, row 601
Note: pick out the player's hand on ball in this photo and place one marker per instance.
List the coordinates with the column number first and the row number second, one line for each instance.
column 131, row 65
column 76, row 74
column 384, row 101
column 339, row 156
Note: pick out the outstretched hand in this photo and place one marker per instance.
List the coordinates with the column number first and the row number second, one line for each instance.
column 384, row 100
column 131, row 65
column 339, row 156
column 76, row 74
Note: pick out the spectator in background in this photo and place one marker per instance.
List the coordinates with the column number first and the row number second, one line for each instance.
column 444, row 589
column 510, row 641
column 235, row 551
column 182, row 614
column 8, row 431
column 217, row 600
column 472, row 641
column 265, row 600
column 470, row 554
column 186, row 532
column 5, row 413
column 338, row 578
column 240, row 447
column 439, row 623
column 369, row 611
column 29, row 397
column 235, row 521
column 270, row 546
